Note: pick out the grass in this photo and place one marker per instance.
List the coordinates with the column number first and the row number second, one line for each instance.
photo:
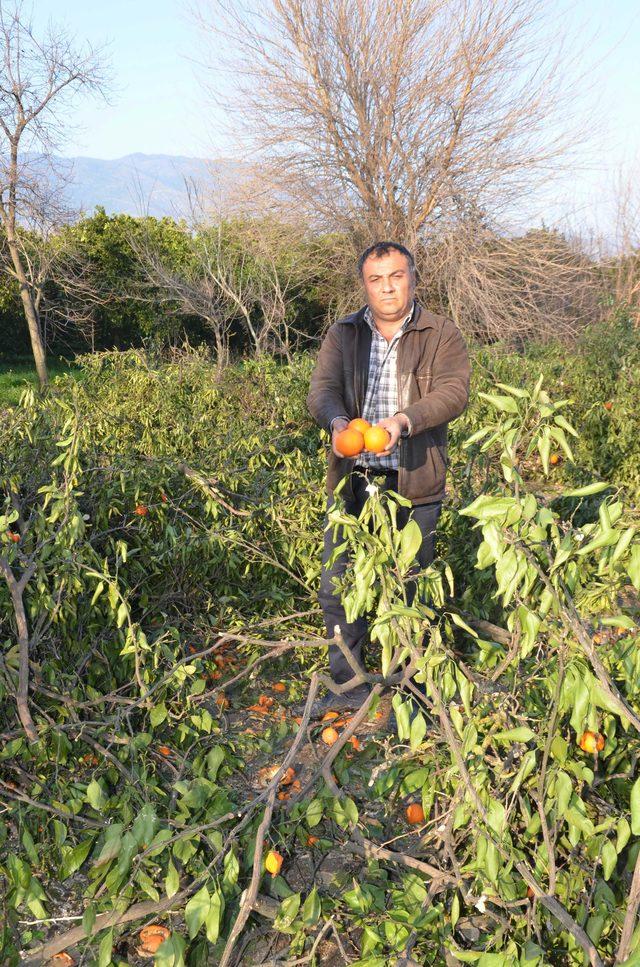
column 18, row 373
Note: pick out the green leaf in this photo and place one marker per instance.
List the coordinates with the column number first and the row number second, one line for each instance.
column 635, row 808
column 521, row 394
column 105, row 949
column 171, row 881
column 351, row 810
column 583, row 823
column 215, row 758
column 171, row 952
column 564, row 791
column 503, row 403
column 475, row 437
column 559, row 436
column 311, row 909
column 594, row 488
column 402, row 710
column 288, row 912
column 544, row 448
column 455, row 910
column 122, row 615
column 619, row 621
column 196, row 911
column 96, row 795
column 410, row 542
column 623, row 544
column 623, row 834
column 633, row 567
column 418, row 731
column 74, row 858
column 158, row 714
column 214, row 917
column 145, row 825
column 314, row 813
column 111, row 846
column 457, row 620
column 559, row 420
column 609, row 859
column 520, row 734
column 30, row 849
column 89, row 919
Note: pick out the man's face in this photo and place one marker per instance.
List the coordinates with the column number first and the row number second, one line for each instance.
column 389, row 286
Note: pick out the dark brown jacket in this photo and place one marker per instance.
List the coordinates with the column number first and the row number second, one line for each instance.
column 433, row 388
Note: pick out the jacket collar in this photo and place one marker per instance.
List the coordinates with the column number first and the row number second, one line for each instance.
column 422, row 318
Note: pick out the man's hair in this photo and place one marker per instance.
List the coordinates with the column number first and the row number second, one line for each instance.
column 379, row 249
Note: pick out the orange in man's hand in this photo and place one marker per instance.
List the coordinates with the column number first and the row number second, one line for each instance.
column 359, row 424
column 376, row 439
column 349, row 442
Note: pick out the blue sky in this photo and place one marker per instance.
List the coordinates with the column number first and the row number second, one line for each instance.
column 157, row 105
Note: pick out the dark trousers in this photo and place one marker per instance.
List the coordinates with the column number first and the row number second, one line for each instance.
column 354, row 633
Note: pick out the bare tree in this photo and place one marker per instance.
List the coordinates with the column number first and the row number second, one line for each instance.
column 383, row 116
column 236, row 275
column 38, row 78
column 623, row 267
column 539, row 285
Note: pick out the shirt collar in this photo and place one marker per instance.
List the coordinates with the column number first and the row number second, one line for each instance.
column 368, row 315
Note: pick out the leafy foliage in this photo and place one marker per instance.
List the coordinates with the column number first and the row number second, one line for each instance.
column 168, row 519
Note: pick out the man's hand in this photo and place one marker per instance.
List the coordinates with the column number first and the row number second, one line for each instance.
column 338, row 426
column 394, row 425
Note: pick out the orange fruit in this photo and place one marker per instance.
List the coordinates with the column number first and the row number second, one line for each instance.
column 530, row 893
column 355, row 742
column 554, row 459
column 288, row 777
column 376, row 439
column 359, row 424
column 266, row 774
column 598, row 639
column 151, row 937
column 164, row 498
column 329, row 735
column 279, row 687
column 349, row 442
column 415, row 814
column 63, row 959
column 311, row 840
column 621, row 631
column 141, row 510
column 13, row 536
column 283, row 795
column 329, row 716
column 273, row 862
column 591, row 742
column 608, row 405
column 165, row 751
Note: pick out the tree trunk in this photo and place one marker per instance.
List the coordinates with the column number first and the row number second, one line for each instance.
column 30, row 315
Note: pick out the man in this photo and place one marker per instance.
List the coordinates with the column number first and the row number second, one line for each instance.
column 406, row 369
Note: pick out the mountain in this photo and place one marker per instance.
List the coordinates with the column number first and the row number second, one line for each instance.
column 154, row 184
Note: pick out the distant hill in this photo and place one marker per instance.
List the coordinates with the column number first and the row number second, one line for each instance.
column 139, row 184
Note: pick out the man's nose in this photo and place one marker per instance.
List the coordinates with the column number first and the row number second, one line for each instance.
column 387, row 285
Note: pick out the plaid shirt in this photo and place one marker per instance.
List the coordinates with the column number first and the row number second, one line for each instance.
column 382, row 388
